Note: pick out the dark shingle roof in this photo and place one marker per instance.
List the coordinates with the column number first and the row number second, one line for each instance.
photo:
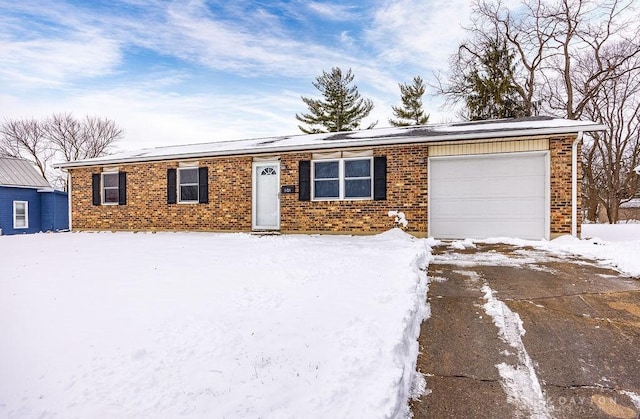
column 476, row 130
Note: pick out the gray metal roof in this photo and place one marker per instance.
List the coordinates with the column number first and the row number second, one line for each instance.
column 19, row 172
column 476, row 130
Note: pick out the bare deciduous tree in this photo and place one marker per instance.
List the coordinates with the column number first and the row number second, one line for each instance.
column 574, row 58
column 26, row 139
column 564, row 50
column 610, row 157
column 81, row 139
column 60, row 136
column 527, row 36
column 595, row 42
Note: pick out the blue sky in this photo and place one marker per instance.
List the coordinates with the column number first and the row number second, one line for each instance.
column 178, row 72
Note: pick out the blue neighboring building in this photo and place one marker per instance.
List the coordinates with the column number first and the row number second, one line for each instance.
column 28, row 204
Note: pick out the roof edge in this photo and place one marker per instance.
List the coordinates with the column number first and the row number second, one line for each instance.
column 379, row 141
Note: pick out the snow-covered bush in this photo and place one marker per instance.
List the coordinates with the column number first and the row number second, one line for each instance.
column 399, row 219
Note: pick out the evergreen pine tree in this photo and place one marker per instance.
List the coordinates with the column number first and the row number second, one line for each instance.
column 342, row 108
column 492, row 94
column 411, row 112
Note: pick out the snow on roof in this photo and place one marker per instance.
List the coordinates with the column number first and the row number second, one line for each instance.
column 540, row 125
column 634, row 203
column 19, row 172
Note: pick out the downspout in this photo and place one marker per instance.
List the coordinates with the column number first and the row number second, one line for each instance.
column 69, row 196
column 574, row 185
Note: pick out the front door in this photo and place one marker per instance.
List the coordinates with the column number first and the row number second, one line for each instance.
column 266, row 196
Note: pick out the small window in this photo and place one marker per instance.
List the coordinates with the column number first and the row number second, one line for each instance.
column 342, row 179
column 188, row 185
column 357, row 178
column 20, row 214
column 110, row 188
column 326, row 175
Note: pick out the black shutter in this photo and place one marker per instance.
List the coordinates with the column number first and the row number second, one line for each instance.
column 203, row 185
column 122, row 188
column 95, row 187
column 171, row 186
column 304, row 180
column 380, row 178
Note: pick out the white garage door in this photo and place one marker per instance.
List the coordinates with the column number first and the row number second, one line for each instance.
column 492, row 195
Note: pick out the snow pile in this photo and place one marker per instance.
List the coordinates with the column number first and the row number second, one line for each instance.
column 612, row 232
column 463, row 244
column 520, row 382
column 624, row 256
column 635, row 398
column 399, row 218
column 210, row 325
column 615, row 245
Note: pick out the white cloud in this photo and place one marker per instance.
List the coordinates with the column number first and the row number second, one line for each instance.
column 157, row 110
column 424, row 33
column 194, row 36
column 56, row 61
column 332, row 11
column 153, row 118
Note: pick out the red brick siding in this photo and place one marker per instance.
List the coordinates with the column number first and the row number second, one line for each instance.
column 230, row 200
column 561, row 184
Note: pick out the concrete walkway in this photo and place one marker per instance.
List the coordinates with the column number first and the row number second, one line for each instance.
column 575, row 354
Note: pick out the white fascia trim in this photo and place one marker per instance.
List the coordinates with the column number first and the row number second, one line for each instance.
column 37, row 188
column 332, row 144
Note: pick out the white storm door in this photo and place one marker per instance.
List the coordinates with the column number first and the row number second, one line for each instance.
column 266, row 196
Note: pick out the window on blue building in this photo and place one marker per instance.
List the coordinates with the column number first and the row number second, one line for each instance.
column 20, row 214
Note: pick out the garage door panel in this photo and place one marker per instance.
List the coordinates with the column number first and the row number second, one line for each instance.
column 487, row 167
column 489, row 187
column 488, row 196
column 489, row 228
column 480, row 209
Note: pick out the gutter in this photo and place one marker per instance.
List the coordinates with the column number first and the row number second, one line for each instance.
column 330, row 144
column 574, row 185
column 69, row 199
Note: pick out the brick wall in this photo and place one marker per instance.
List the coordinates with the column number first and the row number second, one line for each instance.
column 229, row 206
column 561, row 185
column 406, row 191
column 230, row 200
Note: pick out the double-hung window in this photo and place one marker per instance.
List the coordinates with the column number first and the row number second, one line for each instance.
column 343, row 179
column 20, row 214
column 110, row 188
column 188, row 185
column 326, row 179
column 357, row 178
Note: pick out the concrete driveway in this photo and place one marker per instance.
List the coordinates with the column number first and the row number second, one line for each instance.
column 519, row 332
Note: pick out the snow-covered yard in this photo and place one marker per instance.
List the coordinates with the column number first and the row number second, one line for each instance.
column 209, row 325
column 224, row 325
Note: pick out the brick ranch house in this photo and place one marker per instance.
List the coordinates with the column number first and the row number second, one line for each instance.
column 511, row 177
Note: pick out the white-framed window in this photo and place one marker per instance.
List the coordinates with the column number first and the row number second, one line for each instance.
column 188, row 185
column 110, row 188
column 342, row 179
column 20, row 214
